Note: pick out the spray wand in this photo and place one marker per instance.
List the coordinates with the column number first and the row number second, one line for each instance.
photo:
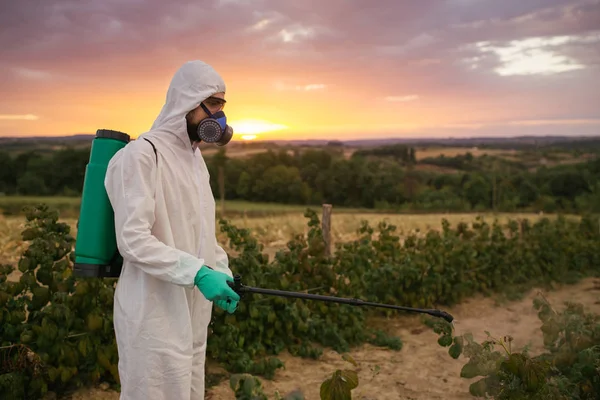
column 242, row 289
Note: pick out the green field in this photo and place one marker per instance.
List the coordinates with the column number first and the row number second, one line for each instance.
column 69, row 207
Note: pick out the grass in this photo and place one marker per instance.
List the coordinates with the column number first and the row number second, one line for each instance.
column 50, row 200
column 278, row 224
column 69, row 206
column 275, row 231
column 433, row 152
column 449, row 152
column 13, row 205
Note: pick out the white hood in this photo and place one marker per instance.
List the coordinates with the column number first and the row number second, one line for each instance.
column 193, row 82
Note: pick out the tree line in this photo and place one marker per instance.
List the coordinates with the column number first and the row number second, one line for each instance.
column 383, row 178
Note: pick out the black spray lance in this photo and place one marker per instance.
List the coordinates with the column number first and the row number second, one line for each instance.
column 241, row 289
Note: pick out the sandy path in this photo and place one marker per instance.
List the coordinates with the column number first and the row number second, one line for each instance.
column 422, row 369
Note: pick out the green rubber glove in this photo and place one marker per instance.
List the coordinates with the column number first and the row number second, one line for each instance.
column 228, row 305
column 213, row 285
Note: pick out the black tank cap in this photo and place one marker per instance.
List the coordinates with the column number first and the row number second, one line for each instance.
column 110, row 134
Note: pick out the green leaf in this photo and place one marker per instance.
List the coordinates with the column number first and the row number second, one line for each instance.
column 65, row 374
column 455, row 350
column 25, row 264
column 351, row 378
column 17, row 317
column 30, row 234
column 470, row 370
column 28, row 279
column 12, row 385
column 94, row 322
column 53, row 373
column 44, row 275
column 27, row 336
column 83, row 346
column 41, row 297
column 248, row 386
column 339, row 386
column 348, row 357
column 4, row 297
column 445, row 340
column 478, row 388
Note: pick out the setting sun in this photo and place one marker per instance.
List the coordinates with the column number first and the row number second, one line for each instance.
column 252, row 127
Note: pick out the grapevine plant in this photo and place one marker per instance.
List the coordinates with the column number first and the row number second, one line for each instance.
column 569, row 368
column 56, row 331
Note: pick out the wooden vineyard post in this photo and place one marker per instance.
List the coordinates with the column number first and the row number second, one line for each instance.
column 326, row 228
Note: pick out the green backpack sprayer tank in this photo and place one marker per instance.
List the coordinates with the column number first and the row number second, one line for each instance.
column 96, row 253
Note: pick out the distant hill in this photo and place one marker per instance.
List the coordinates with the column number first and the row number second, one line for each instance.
column 44, row 144
column 24, row 139
column 521, row 142
column 539, row 140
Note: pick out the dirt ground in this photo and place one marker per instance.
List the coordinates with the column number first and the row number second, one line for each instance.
column 422, row 369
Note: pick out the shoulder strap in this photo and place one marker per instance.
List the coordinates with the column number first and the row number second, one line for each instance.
column 155, row 153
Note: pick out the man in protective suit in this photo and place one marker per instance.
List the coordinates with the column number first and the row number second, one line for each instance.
column 173, row 268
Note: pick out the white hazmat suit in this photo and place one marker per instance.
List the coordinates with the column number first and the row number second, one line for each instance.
column 165, row 229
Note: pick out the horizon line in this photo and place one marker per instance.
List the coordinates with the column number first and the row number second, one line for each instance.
column 258, row 139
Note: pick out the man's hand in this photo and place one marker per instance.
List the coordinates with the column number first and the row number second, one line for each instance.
column 213, row 285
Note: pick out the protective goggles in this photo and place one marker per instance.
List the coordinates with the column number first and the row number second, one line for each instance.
column 215, row 103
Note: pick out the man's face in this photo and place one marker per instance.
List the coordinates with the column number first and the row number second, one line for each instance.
column 214, row 103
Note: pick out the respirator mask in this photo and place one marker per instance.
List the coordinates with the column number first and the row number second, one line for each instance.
column 213, row 129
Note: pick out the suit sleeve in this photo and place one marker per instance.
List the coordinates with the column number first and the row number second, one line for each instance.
column 130, row 185
column 222, row 261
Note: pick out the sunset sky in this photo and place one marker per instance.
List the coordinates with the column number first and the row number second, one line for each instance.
column 305, row 69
